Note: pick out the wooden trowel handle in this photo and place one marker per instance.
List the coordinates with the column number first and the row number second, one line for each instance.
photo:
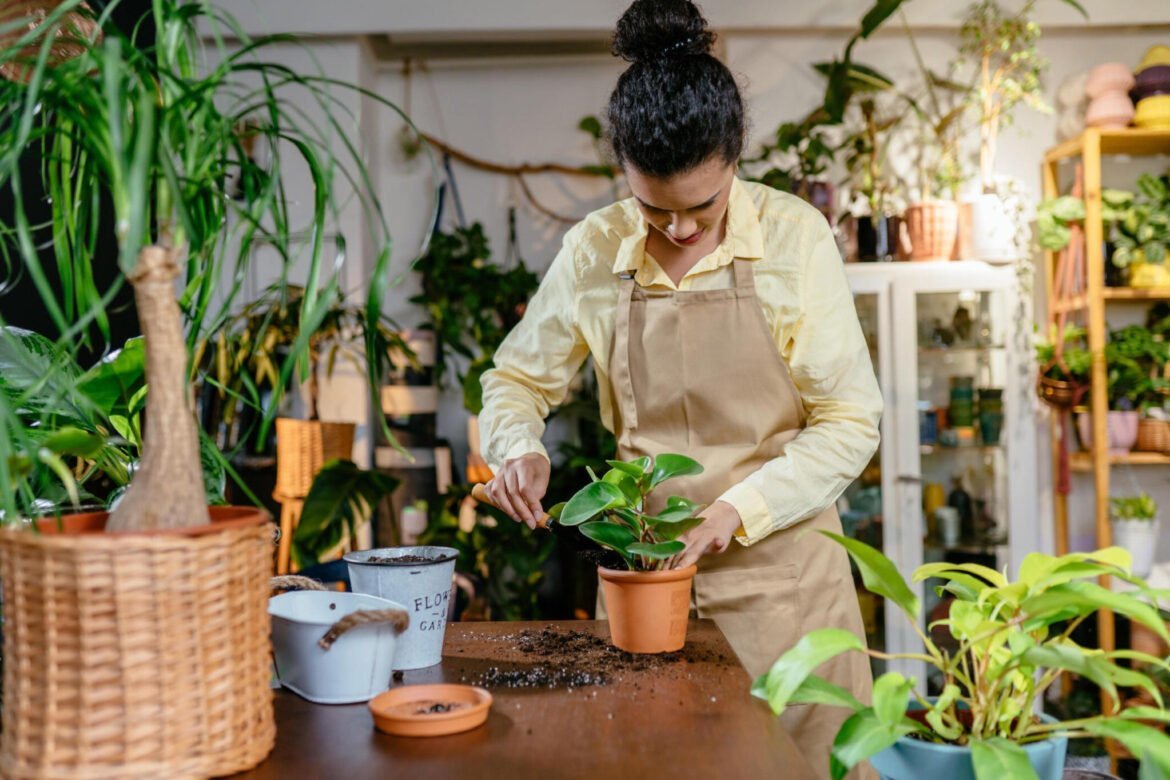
column 479, row 493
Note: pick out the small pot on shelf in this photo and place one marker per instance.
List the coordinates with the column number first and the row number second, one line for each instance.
column 1140, row 537
column 1122, row 428
column 931, row 229
column 877, row 238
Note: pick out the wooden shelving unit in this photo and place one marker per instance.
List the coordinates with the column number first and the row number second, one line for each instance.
column 1090, row 150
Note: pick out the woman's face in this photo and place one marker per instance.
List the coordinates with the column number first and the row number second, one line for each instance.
column 686, row 207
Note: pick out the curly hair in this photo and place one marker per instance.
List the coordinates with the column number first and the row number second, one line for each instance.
column 676, row 105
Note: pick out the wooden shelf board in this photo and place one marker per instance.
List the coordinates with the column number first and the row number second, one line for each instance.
column 1083, row 461
column 1136, row 293
column 1134, row 141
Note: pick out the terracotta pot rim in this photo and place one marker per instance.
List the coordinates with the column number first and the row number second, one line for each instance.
column 438, row 724
column 223, row 518
column 625, row 576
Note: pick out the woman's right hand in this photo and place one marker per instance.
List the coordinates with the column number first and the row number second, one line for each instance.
column 519, row 487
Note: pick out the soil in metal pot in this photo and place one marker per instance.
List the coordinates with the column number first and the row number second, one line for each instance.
column 399, row 559
column 555, row 658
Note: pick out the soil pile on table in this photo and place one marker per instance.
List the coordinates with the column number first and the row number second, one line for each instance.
column 553, row 658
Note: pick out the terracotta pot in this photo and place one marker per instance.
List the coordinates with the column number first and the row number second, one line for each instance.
column 1123, row 431
column 648, row 610
column 151, row 648
column 931, row 228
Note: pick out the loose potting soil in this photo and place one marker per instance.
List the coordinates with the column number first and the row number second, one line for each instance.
column 398, row 559
column 553, row 658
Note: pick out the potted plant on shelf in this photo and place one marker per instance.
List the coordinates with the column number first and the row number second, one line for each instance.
column 1141, row 232
column 865, row 153
column 135, row 124
column 1014, row 643
column 1135, row 527
column 647, row 604
column 1064, row 367
column 1131, row 356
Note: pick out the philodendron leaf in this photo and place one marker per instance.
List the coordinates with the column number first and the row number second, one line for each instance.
column 1151, row 744
column 791, row 669
column 590, row 501
column 1084, row 598
column 615, row 537
column 815, row 690
column 891, row 695
column 669, row 466
column 656, row 552
column 555, row 510
column 862, row 736
column 879, row 574
column 997, row 758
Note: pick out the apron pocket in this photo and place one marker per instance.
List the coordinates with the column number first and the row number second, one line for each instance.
column 758, row 610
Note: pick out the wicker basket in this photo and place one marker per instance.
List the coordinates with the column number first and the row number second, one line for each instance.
column 303, row 447
column 72, row 34
column 1153, row 436
column 136, row 655
column 932, row 227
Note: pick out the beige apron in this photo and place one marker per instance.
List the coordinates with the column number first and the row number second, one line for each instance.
column 698, row 373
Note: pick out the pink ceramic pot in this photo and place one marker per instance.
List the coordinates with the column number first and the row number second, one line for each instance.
column 1123, row 431
column 1109, row 77
column 1111, row 110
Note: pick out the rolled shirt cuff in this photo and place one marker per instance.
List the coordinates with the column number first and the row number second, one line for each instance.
column 518, row 449
column 755, row 519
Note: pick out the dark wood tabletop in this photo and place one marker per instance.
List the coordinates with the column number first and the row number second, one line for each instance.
column 687, row 717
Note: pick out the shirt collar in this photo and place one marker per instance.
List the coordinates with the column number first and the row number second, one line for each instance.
column 745, row 238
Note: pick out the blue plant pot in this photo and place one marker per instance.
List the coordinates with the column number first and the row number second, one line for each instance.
column 913, row 759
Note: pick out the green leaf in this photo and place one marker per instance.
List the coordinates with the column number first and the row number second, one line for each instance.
column 656, row 552
column 636, row 469
column 891, row 696
column 879, row 574
column 1083, row 598
column 998, row 758
column 341, row 498
column 591, row 125
column 670, row 466
column 111, row 383
column 815, row 690
column 591, row 501
column 877, row 15
column 791, row 669
column 74, row 441
column 1078, row 6
column 666, row 531
column 555, row 510
column 862, row 736
column 1151, row 744
column 935, row 569
column 615, row 537
column 626, row 483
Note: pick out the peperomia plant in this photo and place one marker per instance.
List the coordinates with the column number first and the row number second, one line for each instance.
column 611, row 510
column 1015, row 640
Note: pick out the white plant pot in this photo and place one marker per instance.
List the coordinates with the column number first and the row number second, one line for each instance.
column 425, row 589
column 993, row 231
column 357, row 666
column 1140, row 537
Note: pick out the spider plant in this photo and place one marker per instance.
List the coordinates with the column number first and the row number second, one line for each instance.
column 163, row 137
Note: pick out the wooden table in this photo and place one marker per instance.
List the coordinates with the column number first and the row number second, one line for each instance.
column 690, row 718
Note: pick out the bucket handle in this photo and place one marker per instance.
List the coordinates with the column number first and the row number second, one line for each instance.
column 294, row 582
column 364, row 617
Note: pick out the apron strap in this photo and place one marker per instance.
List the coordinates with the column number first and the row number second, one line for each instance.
column 745, row 276
column 622, row 380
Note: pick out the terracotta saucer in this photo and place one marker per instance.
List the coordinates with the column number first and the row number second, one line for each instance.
column 430, row 710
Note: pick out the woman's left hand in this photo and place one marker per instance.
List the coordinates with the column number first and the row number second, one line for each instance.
column 713, row 536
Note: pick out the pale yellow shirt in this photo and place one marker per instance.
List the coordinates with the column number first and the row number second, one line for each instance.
column 801, row 286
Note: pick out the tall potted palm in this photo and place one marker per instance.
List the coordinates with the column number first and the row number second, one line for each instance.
column 136, row 641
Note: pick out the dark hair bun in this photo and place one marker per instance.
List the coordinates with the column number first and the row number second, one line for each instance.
column 658, row 29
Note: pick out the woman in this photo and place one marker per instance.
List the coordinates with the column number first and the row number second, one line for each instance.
column 721, row 326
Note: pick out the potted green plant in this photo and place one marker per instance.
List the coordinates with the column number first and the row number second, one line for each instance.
column 865, row 152
column 1064, row 362
column 1141, row 232
column 1014, row 641
column 647, row 603
column 1135, row 527
column 1132, row 355
column 133, row 121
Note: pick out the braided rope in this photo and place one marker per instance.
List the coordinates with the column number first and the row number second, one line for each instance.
column 395, row 617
